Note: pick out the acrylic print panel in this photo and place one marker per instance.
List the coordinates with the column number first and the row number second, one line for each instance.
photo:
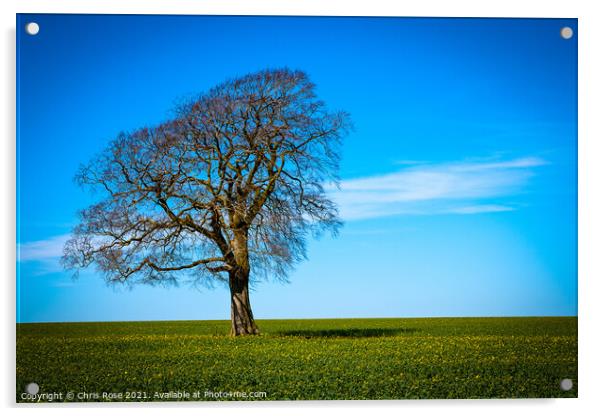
column 295, row 208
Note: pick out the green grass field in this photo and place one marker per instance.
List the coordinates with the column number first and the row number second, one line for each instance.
column 427, row 358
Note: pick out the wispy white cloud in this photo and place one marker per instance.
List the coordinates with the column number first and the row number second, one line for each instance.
column 43, row 249
column 408, row 162
column 478, row 209
column 444, row 188
column 44, row 254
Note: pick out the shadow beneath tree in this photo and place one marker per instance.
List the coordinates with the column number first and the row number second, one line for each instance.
column 347, row 332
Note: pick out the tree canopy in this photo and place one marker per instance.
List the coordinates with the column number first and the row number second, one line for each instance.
column 228, row 189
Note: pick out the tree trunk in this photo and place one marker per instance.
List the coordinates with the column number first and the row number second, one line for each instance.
column 241, row 315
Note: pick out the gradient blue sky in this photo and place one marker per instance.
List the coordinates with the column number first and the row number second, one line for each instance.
column 458, row 183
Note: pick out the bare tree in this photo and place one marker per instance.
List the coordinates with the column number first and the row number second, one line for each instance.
column 228, row 190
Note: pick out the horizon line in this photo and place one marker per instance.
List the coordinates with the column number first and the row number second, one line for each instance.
column 307, row 319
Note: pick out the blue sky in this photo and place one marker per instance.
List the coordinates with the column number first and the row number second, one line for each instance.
column 458, row 184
